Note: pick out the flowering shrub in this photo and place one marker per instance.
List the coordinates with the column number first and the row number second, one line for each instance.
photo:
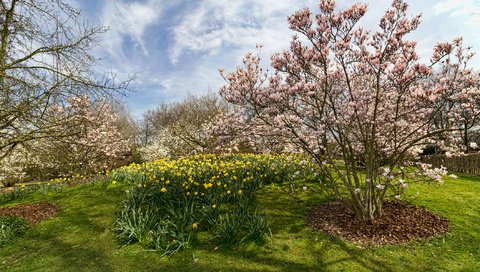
column 170, row 201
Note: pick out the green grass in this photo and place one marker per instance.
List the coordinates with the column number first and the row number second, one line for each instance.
column 79, row 238
column 10, row 228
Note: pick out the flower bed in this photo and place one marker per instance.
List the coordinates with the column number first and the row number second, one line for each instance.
column 169, row 202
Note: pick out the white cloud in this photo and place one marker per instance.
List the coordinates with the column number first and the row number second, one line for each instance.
column 456, row 7
column 448, row 6
column 215, row 24
column 460, row 8
column 128, row 20
column 167, row 83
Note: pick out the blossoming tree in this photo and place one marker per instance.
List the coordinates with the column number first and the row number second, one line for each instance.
column 91, row 140
column 360, row 103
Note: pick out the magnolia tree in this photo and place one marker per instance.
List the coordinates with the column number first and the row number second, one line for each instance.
column 12, row 168
column 91, row 139
column 359, row 102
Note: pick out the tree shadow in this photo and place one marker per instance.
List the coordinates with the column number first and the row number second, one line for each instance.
column 357, row 258
column 286, row 210
column 64, row 242
column 53, row 251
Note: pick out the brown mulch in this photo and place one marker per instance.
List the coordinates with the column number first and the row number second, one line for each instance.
column 33, row 213
column 399, row 223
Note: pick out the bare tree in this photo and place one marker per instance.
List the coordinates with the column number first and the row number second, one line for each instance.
column 181, row 126
column 45, row 58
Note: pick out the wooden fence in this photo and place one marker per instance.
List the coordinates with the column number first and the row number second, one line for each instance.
column 469, row 164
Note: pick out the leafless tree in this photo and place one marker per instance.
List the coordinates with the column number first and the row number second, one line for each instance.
column 182, row 124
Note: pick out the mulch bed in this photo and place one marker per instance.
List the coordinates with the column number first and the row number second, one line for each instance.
column 33, row 213
column 399, row 223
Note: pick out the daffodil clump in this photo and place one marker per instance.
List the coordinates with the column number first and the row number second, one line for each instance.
column 169, row 201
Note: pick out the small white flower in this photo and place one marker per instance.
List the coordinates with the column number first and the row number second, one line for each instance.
column 304, row 188
column 380, row 187
column 356, row 191
column 453, row 176
column 386, row 171
column 397, row 197
column 473, row 145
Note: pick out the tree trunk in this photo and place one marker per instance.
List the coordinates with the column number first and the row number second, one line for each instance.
column 465, row 137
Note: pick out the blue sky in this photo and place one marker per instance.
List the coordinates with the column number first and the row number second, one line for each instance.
column 175, row 47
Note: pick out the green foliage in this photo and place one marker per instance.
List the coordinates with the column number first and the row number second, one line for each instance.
column 13, row 193
column 57, row 185
column 242, row 222
column 10, row 228
column 240, row 225
column 141, row 220
column 256, row 226
column 136, row 224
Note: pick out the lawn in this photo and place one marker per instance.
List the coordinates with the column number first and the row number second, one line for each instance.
column 79, row 238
